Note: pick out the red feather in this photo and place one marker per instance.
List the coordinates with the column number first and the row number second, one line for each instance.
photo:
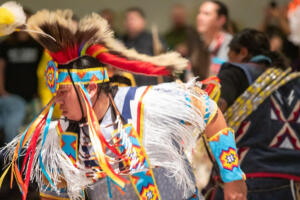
column 134, row 66
column 66, row 55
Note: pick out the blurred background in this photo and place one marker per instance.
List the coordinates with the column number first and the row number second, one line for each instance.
column 244, row 13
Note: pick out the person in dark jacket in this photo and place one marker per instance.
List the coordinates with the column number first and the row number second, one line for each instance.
column 268, row 138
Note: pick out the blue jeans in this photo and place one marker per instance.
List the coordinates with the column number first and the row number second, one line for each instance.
column 265, row 189
column 12, row 113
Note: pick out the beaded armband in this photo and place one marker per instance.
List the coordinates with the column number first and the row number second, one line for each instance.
column 224, row 150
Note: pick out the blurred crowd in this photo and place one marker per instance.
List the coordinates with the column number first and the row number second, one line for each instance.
column 214, row 47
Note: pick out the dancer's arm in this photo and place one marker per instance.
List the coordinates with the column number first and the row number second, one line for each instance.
column 221, row 141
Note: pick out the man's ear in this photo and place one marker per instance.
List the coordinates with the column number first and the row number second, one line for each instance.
column 92, row 89
column 244, row 53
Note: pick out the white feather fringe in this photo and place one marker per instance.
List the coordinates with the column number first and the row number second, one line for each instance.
column 169, row 123
column 56, row 163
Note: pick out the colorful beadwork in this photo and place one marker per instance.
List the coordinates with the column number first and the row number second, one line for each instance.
column 51, row 75
column 223, row 147
column 83, row 76
column 142, row 177
column 69, row 144
column 229, row 159
column 144, row 185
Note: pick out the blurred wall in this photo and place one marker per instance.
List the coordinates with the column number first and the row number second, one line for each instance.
column 246, row 13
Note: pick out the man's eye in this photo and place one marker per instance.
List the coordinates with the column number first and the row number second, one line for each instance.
column 62, row 92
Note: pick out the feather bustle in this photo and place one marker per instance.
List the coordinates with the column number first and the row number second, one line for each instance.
column 104, row 35
column 92, row 29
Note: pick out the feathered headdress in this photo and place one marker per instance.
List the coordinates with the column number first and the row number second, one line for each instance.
column 66, row 40
column 93, row 37
column 70, row 43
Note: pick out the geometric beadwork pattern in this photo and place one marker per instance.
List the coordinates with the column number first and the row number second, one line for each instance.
column 51, row 75
column 83, row 76
column 142, row 181
column 229, row 159
column 145, row 186
column 223, row 147
column 69, row 144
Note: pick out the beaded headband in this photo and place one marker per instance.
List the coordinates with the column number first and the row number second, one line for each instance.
column 56, row 77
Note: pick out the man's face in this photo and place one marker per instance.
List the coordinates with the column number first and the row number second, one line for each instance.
column 276, row 43
column 134, row 23
column 207, row 18
column 68, row 102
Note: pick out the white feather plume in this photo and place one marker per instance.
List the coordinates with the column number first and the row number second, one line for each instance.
column 19, row 17
column 169, row 123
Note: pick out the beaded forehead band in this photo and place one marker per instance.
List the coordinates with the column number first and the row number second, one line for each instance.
column 56, row 77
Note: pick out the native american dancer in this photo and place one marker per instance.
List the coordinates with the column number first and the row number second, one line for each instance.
column 121, row 143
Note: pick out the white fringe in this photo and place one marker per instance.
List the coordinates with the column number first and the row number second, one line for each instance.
column 165, row 136
column 56, row 163
column 9, row 149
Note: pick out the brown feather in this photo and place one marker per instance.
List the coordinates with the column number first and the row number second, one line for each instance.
column 58, row 24
column 91, row 29
column 106, row 36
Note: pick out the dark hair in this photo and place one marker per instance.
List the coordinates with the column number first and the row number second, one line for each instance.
column 138, row 10
column 222, row 11
column 198, row 54
column 274, row 31
column 82, row 62
column 273, row 4
column 257, row 43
